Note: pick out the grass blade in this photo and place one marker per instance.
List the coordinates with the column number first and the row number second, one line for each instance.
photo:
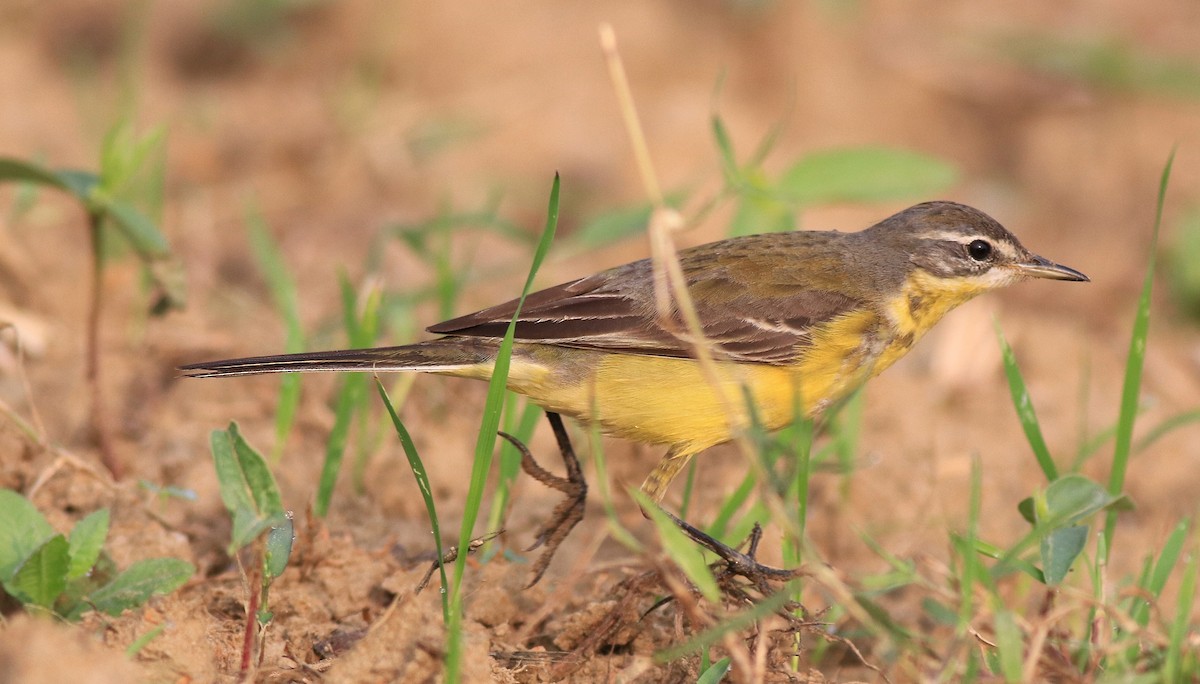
column 350, row 397
column 510, row 459
column 1025, row 411
column 1134, row 365
column 1173, row 668
column 418, row 469
column 487, row 442
column 283, row 291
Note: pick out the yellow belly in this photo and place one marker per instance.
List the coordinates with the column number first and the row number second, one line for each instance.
column 664, row 400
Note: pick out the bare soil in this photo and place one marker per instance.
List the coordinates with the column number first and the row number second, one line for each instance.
column 336, row 120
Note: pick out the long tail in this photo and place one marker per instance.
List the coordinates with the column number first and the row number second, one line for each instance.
column 442, row 355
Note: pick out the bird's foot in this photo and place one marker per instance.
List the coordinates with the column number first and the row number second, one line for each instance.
column 738, row 563
column 569, row 512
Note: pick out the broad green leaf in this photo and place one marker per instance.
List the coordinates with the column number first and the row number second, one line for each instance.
column 865, row 174
column 246, row 485
column 87, row 538
column 23, row 529
column 257, row 475
column 139, row 582
column 1059, row 549
column 234, row 491
column 43, row 576
column 1072, row 498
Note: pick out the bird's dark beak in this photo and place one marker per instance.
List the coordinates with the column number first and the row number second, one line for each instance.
column 1038, row 267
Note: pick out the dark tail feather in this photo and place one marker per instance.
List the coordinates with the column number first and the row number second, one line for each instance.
column 433, row 356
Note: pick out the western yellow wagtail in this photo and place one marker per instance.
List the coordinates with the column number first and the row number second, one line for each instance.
column 808, row 315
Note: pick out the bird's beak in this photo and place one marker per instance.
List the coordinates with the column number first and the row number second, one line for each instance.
column 1038, row 267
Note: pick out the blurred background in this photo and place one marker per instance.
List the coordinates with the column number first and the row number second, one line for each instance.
column 411, row 146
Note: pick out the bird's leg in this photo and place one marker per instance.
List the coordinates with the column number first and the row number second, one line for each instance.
column 736, row 562
column 569, row 512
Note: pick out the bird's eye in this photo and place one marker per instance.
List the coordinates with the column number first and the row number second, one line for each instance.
column 979, row 249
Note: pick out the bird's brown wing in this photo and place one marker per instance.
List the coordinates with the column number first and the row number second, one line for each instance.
column 755, row 305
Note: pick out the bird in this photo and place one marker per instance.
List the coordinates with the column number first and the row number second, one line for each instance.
column 795, row 322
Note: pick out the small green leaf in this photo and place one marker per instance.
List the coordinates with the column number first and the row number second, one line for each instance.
column 82, row 184
column 78, row 183
column 258, row 476
column 234, row 492
column 23, row 530
column 43, row 576
column 865, row 174
column 279, row 546
column 246, row 485
column 139, row 582
column 141, row 232
column 1059, row 549
column 1071, row 498
column 1025, row 508
column 87, row 538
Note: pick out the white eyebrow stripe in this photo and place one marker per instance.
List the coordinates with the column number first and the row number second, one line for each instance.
column 1003, row 246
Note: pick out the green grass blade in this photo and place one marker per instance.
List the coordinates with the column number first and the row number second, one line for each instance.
column 418, row 469
column 734, row 623
column 510, row 459
column 1134, row 364
column 1009, row 643
column 1025, row 411
column 1153, row 583
column 1166, row 427
column 685, row 553
column 1177, row 650
column 970, row 571
column 603, row 483
column 351, row 397
column 715, row 672
column 283, row 291
column 486, row 444
column 689, row 489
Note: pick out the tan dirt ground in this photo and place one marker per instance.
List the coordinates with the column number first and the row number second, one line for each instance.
column 340, row 119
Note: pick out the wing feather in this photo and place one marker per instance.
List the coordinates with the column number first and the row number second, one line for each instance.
column 755, row 305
